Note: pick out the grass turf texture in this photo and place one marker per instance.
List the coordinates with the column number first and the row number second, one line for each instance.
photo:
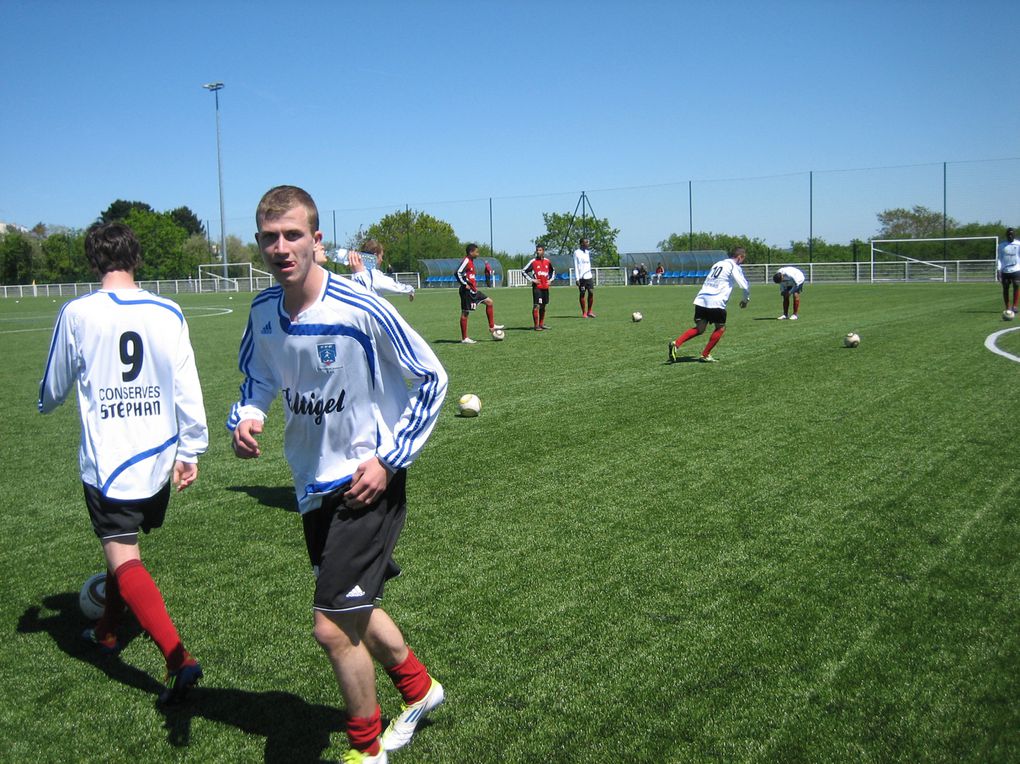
column 801, row 553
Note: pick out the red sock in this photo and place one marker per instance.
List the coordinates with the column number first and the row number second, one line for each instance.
column 411, row 678
column 143, row 597
column 534, row 315
column 692, row 332
column 463, row 327
column 113, row 610
column 541, row 316
column 490, row 314
column 363, row 732
column 716, row 336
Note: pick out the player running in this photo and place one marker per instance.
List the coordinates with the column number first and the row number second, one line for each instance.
column 343, row 359
column 710, row 303
column 470, row 297
column 791, row 283
column 539, row 271
column 143, row 424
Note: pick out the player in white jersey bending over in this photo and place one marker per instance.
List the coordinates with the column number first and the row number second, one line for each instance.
column 143, row 423
column 791, row 284
column 710, row 304
column 342, row 358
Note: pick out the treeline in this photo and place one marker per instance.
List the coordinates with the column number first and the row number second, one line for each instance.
column 175, row 243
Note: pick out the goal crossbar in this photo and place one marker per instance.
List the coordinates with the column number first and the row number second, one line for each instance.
column 908, row 259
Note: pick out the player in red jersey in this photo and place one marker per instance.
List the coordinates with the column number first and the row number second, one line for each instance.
column 470, row 297
column 539, row 271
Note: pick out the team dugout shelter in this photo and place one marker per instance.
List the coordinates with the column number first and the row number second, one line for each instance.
column 442, row 272
column 679, row 267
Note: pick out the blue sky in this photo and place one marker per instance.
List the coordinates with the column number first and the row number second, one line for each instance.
column 442, row 106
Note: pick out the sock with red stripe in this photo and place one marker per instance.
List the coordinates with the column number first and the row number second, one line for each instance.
column 363, row 732
column 534, row 315
column 463, row 327
column 716, row 336
column 692, row 332
column 143, row 597
column 491, row 315
column 410, row 678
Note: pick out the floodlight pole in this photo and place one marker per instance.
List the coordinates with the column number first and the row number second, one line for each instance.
column 215, row 88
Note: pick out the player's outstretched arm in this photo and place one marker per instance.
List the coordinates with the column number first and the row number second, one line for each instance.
column 184, row 474
column 245, row 444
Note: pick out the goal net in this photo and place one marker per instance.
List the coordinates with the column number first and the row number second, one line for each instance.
column 933, row 259
column 232, row 277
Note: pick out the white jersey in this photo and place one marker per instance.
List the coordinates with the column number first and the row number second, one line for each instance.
column 380, row 283
column 1008, row 257
column 140, row 401
column 792, row 277
column 723, row 276
column 343, row 367
column 582, row 264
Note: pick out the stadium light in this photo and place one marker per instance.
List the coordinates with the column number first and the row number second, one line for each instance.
column 215, row 88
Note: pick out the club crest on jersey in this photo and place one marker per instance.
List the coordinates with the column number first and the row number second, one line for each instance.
column 327, row 356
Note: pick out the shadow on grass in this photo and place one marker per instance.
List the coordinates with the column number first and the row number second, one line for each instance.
column 295, row 731
column 277, row 497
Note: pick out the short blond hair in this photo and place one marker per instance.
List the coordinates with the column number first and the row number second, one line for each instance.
column 278, row 201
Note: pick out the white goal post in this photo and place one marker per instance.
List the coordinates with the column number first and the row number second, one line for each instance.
column 232, row 277
column 902, row 267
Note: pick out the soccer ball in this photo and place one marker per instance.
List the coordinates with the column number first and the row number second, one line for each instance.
column 852, row 340
column 636, row 316
column 1008, row 315
column 92, row 598
column 499, row 335
column 469, row 405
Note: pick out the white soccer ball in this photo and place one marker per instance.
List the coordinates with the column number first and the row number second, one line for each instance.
column 92, row 598
column 499, row 335
column 469, row 405
column 852, row 340
column 1008, row 315
column 636, row 316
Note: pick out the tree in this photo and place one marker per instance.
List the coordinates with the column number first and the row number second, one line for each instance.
column 409, row 236
column 563, row 231
column 918, row 222
column 120, row 209
column 64, row 259
column 757, row 250
column 16, row 258
column 162, row 240
column 187, row 220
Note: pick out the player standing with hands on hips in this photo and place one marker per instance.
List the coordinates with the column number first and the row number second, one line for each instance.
column 791, row 283
column 585, row 278
column 470, row 297
column 342, row 358
column 1007, row 268
column 143, row 427
column 539, row 271
column 710, row 303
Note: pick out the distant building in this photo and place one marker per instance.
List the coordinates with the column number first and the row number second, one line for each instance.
column 6, row 227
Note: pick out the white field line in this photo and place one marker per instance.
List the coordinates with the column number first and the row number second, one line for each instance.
column 189, row 312
column 993, row 338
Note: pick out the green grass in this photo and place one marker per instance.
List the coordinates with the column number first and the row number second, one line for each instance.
column 801, row 553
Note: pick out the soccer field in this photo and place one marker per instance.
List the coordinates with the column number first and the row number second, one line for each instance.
column 801, row 553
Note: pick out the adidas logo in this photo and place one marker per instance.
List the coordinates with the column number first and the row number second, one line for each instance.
column 357, row 591
column 268, row 328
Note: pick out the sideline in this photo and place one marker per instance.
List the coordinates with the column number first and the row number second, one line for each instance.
column 188, row 312
column 993, row 338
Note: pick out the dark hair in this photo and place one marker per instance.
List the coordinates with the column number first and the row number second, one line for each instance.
column 372, row 246
column 280, row 200
column 112, row 247
column 777, row 277
column 738, row 249
column 469, row 247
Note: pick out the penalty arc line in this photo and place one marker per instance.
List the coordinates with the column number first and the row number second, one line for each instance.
column 993, row 338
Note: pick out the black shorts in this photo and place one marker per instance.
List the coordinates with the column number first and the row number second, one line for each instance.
column 715, row 316
column 795, row 289
column 1011, row 278
column 352, row 549
column 120, row 519
column 539, row 296
column 469, row 300
column 586, row 285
